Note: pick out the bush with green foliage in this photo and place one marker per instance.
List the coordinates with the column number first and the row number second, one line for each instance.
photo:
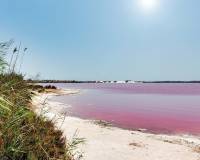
column 23, row 134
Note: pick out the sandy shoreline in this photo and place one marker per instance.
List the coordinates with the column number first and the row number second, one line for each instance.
column 111, row 143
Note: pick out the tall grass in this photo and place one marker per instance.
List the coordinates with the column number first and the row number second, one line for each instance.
column 23, row 134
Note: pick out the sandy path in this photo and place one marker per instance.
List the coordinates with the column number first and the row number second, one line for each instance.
column 110, row 143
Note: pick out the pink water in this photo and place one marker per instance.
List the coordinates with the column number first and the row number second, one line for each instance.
column 160, row 108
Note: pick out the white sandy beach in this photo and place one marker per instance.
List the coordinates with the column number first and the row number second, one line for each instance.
column 110, row 143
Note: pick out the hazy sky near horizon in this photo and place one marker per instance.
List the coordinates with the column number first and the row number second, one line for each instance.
column 105, row 39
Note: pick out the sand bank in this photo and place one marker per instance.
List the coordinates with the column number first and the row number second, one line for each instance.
column 109, row 143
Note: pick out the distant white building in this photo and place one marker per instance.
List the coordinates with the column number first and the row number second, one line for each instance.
column 120, row 82
column 131, row 82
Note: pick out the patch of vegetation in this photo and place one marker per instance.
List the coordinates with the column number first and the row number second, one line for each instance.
column 41, row 89
column 23, row 134
column 102, row 123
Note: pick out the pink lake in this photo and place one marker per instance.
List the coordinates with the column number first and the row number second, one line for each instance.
column 159, row 108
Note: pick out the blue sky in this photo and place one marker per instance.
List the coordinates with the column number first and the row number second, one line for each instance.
column 105, row 39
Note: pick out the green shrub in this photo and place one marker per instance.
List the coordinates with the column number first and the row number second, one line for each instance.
column 23, row 134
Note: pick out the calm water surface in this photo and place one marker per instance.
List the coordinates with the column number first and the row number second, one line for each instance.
column 161, row 108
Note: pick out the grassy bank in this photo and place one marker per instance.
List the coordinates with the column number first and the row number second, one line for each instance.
column 23, row 134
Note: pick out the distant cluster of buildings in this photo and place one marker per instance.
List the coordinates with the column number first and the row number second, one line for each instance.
column 127, row 81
